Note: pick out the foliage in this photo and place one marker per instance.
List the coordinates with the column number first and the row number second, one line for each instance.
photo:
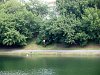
column 60, row 30
column 76, row 7
column 78, row 23
column 13, row 37
column 17, row 24
column 37, row 7
column 91, row 23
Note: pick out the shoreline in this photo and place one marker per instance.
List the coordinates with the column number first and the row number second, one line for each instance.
column 65, row 53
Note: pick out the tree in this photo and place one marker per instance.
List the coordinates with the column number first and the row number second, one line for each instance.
column 13, row 37
column 37, row 7
column 17, row 24
column 76, row 7
column 78, row 23
column 59, row 30
column 91, row 23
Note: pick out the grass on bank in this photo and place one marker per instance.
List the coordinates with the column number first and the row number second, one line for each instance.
column 33, row 46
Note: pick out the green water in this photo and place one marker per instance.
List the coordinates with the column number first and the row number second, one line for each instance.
column 49, row 66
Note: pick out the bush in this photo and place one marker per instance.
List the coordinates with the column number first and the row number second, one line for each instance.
column 91, row 23
column 81, row 38
column 13, row 37
column 17, row 24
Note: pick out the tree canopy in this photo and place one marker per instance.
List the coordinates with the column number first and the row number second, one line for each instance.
column 17, row 24
column 77, row 22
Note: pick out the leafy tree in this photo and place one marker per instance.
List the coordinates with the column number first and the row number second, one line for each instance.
column 78, row 23
column 27, row 23
column 59, row 30
column 37, row 7
column 91, row 23
column 76, row 7
column 13, row 37
column 17, row 24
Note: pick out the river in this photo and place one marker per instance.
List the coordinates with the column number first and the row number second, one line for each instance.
column 13, row 65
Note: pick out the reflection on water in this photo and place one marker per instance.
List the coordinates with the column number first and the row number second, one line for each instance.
column 49, row 66
column 13, row 73
column 43, row 71
column 31, row 72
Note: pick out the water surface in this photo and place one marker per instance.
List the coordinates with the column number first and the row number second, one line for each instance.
column 11, row 65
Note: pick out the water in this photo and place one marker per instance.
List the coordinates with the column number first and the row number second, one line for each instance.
column 49, row 66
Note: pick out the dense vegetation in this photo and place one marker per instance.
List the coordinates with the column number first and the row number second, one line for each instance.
column 78, row 22
column 18, row 23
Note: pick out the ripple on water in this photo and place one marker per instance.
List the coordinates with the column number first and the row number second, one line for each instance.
column 13, row 73
column 40, row 71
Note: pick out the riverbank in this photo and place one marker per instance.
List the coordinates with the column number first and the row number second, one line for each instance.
column 29, row 53
column 33, row 46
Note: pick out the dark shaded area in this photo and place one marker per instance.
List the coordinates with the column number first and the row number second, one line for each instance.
column 9, row 48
